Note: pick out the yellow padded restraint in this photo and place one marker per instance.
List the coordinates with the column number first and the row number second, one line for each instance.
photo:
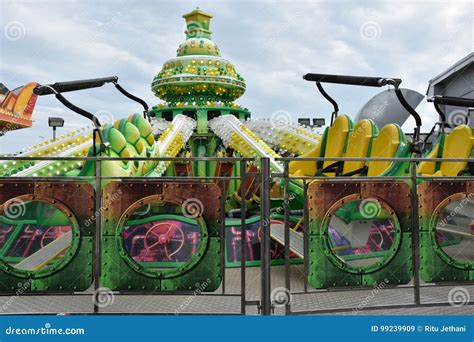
column 384, row 146
column 429, row 167
column 334, row 147
column 358, row 145
column 306, row 168
column 336, row 138
column 458, row 144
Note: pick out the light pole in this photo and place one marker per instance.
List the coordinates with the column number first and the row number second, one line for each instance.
column 55, row 122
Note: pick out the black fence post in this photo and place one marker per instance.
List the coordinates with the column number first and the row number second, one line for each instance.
column 97, row 232
column 415, row 234
column 243, row 244
column 265, row 243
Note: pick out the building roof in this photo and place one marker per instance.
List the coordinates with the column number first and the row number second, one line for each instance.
column 459, row 65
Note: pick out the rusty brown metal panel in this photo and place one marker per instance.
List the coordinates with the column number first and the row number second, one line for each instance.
column 432, row 193
column 118, row 196
column 397, row 194
column 10, row 189
column 470, row 187
column 322, row 195
column 209, row 194
column 77, row 196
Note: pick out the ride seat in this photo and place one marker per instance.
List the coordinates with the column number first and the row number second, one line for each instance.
column 332, row 146
column 336, row 138
column 457, row 145
column 390, row 143
column 359, row 145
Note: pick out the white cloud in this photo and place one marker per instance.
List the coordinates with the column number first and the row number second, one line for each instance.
column 272, row 43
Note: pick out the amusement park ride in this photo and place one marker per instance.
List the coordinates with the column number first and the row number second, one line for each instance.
column 345, row 202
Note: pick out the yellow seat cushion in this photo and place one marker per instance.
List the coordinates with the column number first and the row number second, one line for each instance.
column 429, row 167
column 336, row 138
column 358, row 145
column 384, row 146
column 306, row 168
column 458, row 144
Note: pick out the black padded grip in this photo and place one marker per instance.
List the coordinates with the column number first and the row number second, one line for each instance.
column 453, row 101
column 353, row 80
column 62, row 87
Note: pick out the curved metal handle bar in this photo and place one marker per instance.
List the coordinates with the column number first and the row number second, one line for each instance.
column 62, row 87
column 428, row 136
column 366, row 82
column 452, row 101
column 409, row 108
column 442, row 115
column 80, row 111
column 134, row 98
column 329, row 98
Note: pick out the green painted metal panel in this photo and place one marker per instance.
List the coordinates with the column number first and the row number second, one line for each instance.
column 77, row 276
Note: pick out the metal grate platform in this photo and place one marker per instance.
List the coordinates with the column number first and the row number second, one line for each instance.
column 215, row 303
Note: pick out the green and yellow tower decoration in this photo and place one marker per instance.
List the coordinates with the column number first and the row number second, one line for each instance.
column 198, row 83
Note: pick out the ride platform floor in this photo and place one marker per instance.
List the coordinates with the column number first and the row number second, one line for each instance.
column 303, row 300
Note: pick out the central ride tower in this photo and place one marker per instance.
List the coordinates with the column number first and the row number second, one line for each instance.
column 202, row 85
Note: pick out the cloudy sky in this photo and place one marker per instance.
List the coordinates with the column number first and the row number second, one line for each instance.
column 272, row 44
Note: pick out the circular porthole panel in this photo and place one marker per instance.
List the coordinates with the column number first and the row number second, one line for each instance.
column 38, row 236
column 362, row 235
column 453, row 226
column 159, row 241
